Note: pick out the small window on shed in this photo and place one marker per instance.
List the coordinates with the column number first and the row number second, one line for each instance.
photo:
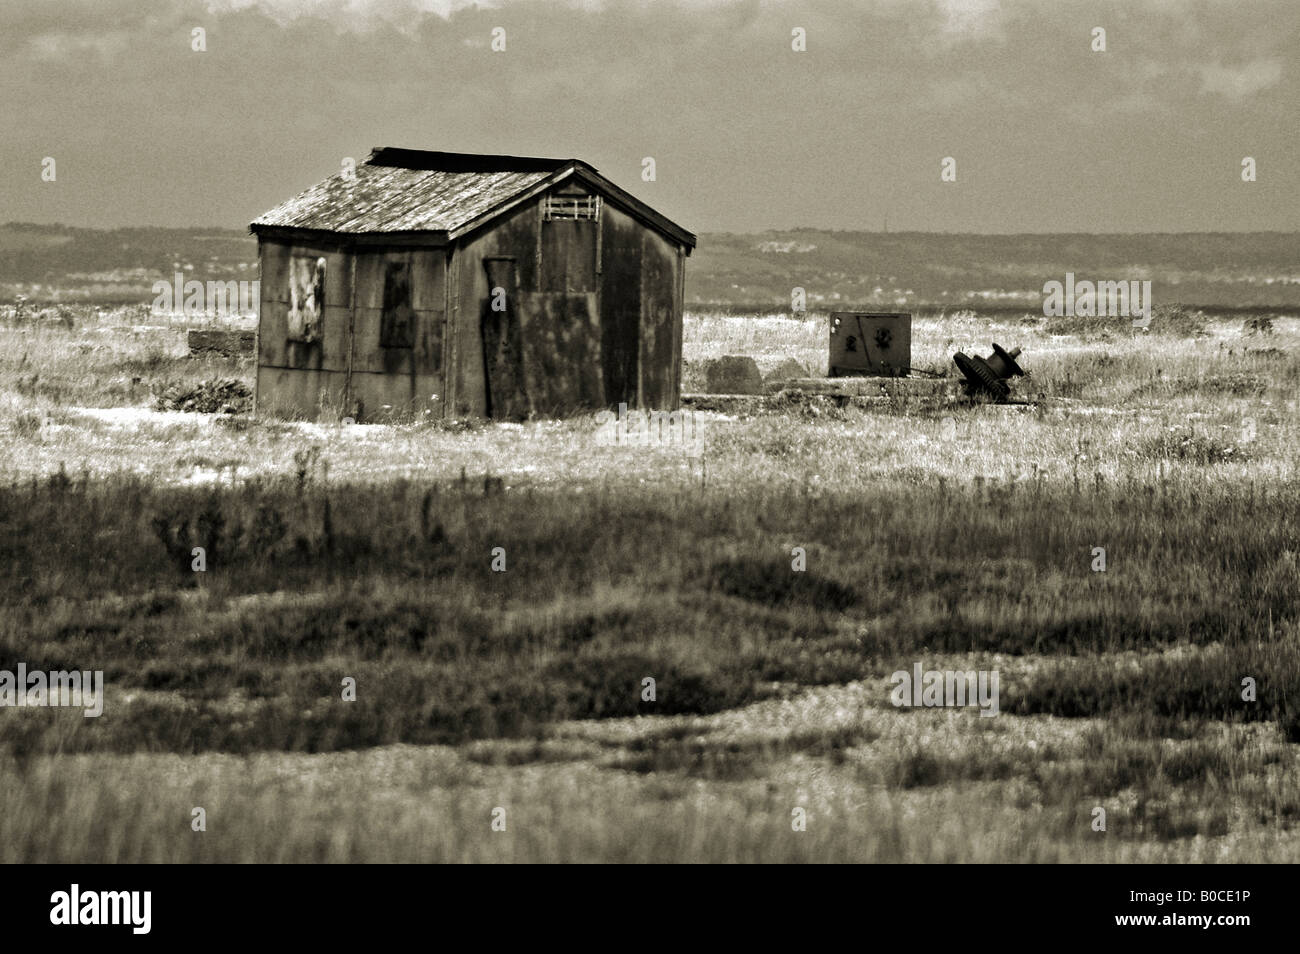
column 306, row 297
column 557, row 208
column 397, row 326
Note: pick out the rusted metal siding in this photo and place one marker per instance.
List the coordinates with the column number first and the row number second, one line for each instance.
column 402, row 378
column 658, row 321
column 382, row 396
column 497, row 352
column 272, row 327
column 470, row 295
column 275, row 346
column 450, row 339
column 543, row 352
column 568, row 246
column 560, row 333
column 569, row 256
column 514, row 235
column 620, row 305
column 427, row 304
column 298, row 392
column 677, row 313
column 301, row 393
column 506, row 388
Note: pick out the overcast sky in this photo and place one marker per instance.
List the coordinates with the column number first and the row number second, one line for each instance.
column 746, row 133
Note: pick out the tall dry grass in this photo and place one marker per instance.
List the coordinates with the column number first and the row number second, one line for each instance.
column 960, row 537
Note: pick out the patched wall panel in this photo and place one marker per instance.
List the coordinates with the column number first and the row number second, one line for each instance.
column 658, row 300
column 561, row 352
column 620, row 305
column 285, row 392
column 382, row 396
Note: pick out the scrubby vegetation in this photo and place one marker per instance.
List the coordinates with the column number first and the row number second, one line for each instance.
column 226, row 396
column 958, row 538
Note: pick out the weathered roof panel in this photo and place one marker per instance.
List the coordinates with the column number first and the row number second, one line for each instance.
column 408, row 190
column 391, row 199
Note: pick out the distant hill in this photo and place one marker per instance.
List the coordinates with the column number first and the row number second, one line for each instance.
column 909, row 269
column 117, row 265
column 756, row 271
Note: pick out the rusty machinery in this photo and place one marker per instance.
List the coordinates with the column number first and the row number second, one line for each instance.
column 872, row 344
column 867, row 344
column 989, row 376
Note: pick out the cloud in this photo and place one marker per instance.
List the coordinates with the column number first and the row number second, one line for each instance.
column 1243, row 81
column 152, row 131
column 402, row 15
column 103, row 46
column 971, row 19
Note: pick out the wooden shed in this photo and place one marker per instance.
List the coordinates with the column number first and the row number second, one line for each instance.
column 460, row 284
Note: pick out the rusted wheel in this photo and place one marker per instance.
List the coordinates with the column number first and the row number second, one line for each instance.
column 981, row 376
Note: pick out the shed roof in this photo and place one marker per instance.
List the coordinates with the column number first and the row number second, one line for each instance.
column 411, row 190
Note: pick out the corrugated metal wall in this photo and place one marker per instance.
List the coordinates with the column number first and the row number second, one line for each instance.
column 349, row 364
column 595, row 315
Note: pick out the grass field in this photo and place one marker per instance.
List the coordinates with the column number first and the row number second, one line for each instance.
column 955, row 537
